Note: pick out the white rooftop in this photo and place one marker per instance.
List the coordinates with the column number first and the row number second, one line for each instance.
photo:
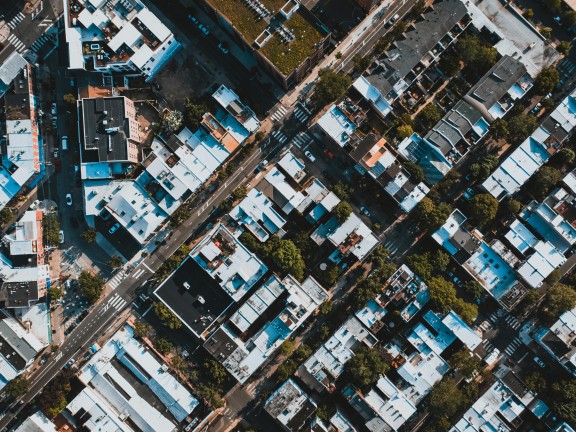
column 103, row 417
column 337, row 125
column 545, row 259
column 292, row 166
column 520, row 237
column 372, row 94
column 37, row 422
column 394, row 408
column 224, row 258
column 354, row 225
column 287, row 401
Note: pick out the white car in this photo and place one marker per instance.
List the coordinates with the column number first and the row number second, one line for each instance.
column 61, row 235
column 34, row 205
column 540, row 362
column 186, row 285
column 69, row 199
column 310, row 156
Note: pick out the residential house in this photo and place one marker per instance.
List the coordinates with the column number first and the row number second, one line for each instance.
column 383, row 408
column 218, row 272
column 559, row 340
column 323, row 368
column 247, row 339
column 129, row 387
column 286, row 40
column 236, row 115
column 11, row 64
column 116, row 36
column 18, row 348
column 291, row 407
column 375, row 158
column 352, row 238
column 338, row 124
column 37, row 422
column 410, row 56
column 23, row 149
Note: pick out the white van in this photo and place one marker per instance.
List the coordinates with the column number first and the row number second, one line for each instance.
column 64, row 143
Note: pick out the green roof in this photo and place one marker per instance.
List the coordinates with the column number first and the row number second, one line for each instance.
column 286, row 57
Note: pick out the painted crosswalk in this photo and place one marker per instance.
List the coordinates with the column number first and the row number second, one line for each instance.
column 115, row 281
column 13, row 23
column 391, row 247
column 279, row 136
column 493, row 317
column 279, row 114
column 510, row 349
column 302, row 140
column 485, row 326
column 18, row 44
column 488, row 346
column 513, row 322
column 301, row 115
column 117, row 302
column 39, row 43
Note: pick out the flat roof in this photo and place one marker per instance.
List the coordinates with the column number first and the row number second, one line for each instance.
column 198, row 316
column 337, row 125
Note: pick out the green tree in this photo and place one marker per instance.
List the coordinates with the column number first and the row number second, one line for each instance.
column 17, row 387
column 482, row 169
column 472, row 289
column 91, row 286
column 450, row 64
column 69, row 99
column 342, row 211
column 163, row 345
column 211, row 396
column 214, row 372
column 55, row 293
column 431, row 216
column 404, row 131
column 442, row 294
column 483, row 208
column 477, row 54
column 288, row 259
column 509, row 207
column 416, row 172
column 342, row 190
column 330, row 87
column 445, row 398
column 287, row 347
column 116, row 261
column 51, row 228
column 193, row 112
column 239, row 193
column 360, row 62
column 467, row 311
column 286, row 369
column 528, row 14
column 569, row 18
column 560, row 298
column 554, row 5
column 520, row 127
column 563, row 157
column 366, row 366
column 546, row 32
column 422, row 265
column 546, row 81
column 326, row 307
column 142, row 329
column 5, row 216
column 89, row 236
column 168, row 318
column 564, row 47
column 330, row 275
column 543, row 181
column 179, row 216
column 536, row 382
column 466, row 362
column 565, row 399
column 430, row 115
column 499, row 129
column 172, row 121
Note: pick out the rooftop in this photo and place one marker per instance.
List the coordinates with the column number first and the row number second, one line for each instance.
column 336, row 124
column 286, row 48
column 37, row 422
column 228, row 262
column 108, row 125
column 327, row 363
column 290, row 406
column 545, row 259
column 456, row 239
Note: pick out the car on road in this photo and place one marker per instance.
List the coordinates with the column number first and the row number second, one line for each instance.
column 193, row 19
column 186, row 285
column 114, row 228
column 391, row 21
column 539, row 362
column 56, row 153
column 203, row 29
column 328, row 153
column 310, row 156
column 365, row 211
column 34, row 205
column 53, row 110
column 222, row 47
column 69, row 199
column 44, row 359
column 469, row 194
column 61, row 236
column 70, row 363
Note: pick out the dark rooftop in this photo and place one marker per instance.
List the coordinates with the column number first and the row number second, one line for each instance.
column 199, row 306
column 406, row 53
column 18, row 294
column 555, row 344
column 105, row 130
column 220, row 345
column 466, row 244
column 14, row 349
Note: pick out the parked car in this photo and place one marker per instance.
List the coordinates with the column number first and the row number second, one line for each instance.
column 186, row 285
column 61, row 236
column 539, row 362
column 310, row 156
column 223, row 48
column 193, row 19
column 54, row 109
column 44, row 359
column 365, row 211
column 70, row 363
column 328, row 153
column 469, row 194
column 56, row 153
column 114, row 228
column 69, row 199
column 34, row 205
column 392, row 20
column 203, row 29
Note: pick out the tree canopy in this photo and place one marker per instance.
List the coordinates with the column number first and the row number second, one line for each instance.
column 342, row 211
column 89, row 236
column 331, row 86
column 483, row 208
column 163, row 345
column 565, row 399
column 193, row 112
column 520, row 127
column 560, row 298
column 446, row 398
column 366, row 366
column 416, row 172
column 442, row 294
column 51, row 228
column 477, row 54
column 288, row 259
column 404, row 131
column 546, row 81
column 429, row 264
column 17, row 387
column 116, row 261
column 165, row 315
column 430, row 115
column 431, row 216
column 142, row 329
column 543, row 181
column 91, row 286
column 499, row 129
column 482, row 169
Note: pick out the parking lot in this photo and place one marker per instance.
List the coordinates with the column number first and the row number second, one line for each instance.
column 73, row 306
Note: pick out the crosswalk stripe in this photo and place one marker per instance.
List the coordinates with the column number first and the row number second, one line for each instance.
column 138, row 273
column 115, row 300
column 120, row 305
column 13, row 23
column 279, row 113
column 18, row 44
